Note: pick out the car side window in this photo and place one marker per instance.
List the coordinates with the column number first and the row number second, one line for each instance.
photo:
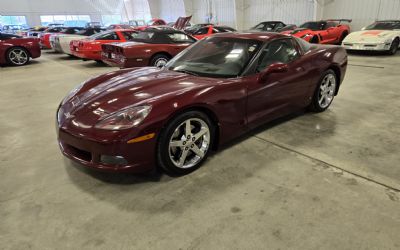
column 278, row 51
column 180, row 38
column 108, row 36
column 330, row 25
column 279, row 26
column 128, row 35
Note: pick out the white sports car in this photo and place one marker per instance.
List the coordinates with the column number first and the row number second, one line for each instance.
column 61, row 42
column 379, row 36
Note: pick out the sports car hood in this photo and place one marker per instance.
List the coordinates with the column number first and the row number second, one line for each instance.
column 370, row 36
column 104, row 95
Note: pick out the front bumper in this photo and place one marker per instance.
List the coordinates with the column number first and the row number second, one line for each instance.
column 366, row 46
column 134, row 158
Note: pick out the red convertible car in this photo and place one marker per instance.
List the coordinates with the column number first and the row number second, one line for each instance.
column 331, row 31
column 17, row 51
column 217, row 89
column 210, row 30
column 153, row 47
column 90, row 48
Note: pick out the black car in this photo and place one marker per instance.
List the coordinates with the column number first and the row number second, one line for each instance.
column 273, row 26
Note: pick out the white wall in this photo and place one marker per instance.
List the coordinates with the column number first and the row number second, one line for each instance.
column 169, row 10
column 241, row 14
column 32, row 9
column 363, row 12
column 288, row 11
column 137, row 10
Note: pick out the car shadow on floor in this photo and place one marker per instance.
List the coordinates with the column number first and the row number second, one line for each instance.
column 156, row 192
column 371, row 53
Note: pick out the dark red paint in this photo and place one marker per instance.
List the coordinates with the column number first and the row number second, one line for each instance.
column 238, row 104
column 135, row 54
column 30, row 44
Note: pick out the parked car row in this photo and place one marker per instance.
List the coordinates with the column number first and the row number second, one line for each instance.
column 154, row 43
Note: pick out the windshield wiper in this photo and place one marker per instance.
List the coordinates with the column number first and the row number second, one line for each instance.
column 186, row 72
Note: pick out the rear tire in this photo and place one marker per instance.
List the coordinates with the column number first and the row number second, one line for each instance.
column 17, row 56
column 394, row 46
column 185, row 143
column 159, row 60
column 325, row 92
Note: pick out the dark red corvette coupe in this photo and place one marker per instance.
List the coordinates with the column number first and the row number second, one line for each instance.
column 16, row 50
column 152, row 47
column 219, row 88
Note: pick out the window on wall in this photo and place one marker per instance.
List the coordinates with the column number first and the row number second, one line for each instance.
column 111, row 19
column 13, row 20
column 66, row 20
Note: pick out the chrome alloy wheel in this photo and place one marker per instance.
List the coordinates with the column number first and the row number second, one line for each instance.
column 160, row 62
column 18, row 56
column 327, row 90
column 189, row 143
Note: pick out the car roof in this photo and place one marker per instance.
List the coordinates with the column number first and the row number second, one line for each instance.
column 261, row 36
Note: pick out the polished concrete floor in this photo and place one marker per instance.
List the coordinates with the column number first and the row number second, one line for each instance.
column 309, row 181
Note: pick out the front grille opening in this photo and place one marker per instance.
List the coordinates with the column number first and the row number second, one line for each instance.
column 80, row 154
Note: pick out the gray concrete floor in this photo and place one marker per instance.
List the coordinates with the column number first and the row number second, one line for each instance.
column 311, row 181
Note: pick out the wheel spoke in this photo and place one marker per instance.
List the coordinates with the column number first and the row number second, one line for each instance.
column 199, row 135
column 321, row 100
column 188, row 128
column 183, row 158
column 197, row 150
column 176, row 144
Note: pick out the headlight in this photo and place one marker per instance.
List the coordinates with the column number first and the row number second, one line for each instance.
column 127, row 118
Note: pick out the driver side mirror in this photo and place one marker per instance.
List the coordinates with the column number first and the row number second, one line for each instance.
column 273, row 68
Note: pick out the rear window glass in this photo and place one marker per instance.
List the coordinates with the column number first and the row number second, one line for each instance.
column 180, row 38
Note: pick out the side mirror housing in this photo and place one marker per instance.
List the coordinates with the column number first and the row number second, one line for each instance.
column 273, row 68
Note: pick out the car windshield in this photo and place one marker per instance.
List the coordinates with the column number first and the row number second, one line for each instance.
column 314, row 25
column 389, row 25
column 264, row 26
column 216, row 57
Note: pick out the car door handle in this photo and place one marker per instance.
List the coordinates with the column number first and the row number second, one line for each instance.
column 299, row 69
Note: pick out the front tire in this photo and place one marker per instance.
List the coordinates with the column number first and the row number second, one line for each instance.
column 325, row 92
column 394, row 46
column 185, row 143
column 159, row 60
column 17, row 56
